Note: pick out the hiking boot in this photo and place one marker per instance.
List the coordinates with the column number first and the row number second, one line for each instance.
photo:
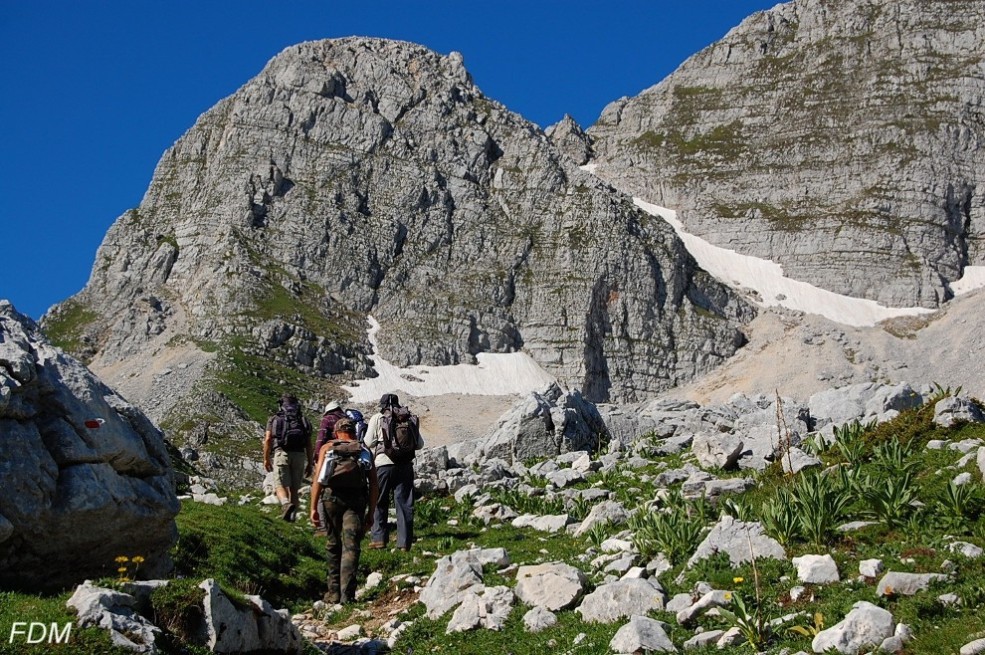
column 288, row 512
column 377, row 545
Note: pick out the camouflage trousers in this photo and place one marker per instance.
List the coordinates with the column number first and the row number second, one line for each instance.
column 343, row 518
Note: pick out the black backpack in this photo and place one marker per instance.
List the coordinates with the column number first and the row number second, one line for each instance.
column 346, row 466
column 401, row 430
column 292, row 430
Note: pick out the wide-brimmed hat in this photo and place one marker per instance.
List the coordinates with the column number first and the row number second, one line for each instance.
column 332, row 405
column 389, row 400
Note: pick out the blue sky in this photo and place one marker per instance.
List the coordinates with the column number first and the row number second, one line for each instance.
column 93, row 92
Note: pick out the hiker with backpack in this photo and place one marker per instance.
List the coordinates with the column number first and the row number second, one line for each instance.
column 344, row 494
column 326, row 430
column 394, row 434
column 287, row 452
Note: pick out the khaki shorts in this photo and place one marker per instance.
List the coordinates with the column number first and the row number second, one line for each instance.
column 289, row 468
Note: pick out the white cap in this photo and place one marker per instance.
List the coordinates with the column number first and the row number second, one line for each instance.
column 330, row 406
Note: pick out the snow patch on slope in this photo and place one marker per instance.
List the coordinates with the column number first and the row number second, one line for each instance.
column 496, row 374
column 766, row 279
column 973, row 278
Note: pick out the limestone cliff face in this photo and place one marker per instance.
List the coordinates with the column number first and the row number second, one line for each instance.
column 361, row 176
column 843, row 140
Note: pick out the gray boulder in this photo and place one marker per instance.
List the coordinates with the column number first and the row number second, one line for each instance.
column 494, row 512
column 895, row 583
column 816, row 569
column 231, row 628
column 79, row 462
column 796, row 460
column 714, row 598
column 865, row 627
column 969, row 550
column 538, row 619
column 554, row 586
column 642, row 634
column 431, row 461
column 544, row 425
column 608, row 511
column 456, row 575
column 116, row 612
column 488, row 608
column 717, row 450
column 703, row 639
column 742, row 542
column 951, row 410
column 614, row 600
column 549, row 523
column 861, row 402
column 565, row 478
column 870, row 568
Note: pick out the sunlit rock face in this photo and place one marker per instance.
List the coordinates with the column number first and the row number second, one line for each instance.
column 843, row 140
column 86, row 476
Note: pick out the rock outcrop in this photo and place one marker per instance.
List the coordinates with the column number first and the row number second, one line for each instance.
column 841, row 140
column 360, row 176
column 86, row 476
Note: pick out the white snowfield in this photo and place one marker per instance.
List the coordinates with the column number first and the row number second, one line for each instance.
column 495, row 375
column 518, row 373
column 974, row 278
column 766, row 278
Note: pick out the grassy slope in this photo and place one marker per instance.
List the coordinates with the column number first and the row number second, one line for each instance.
column 249, row 550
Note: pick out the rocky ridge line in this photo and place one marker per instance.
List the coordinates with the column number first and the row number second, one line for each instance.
column 841, row 140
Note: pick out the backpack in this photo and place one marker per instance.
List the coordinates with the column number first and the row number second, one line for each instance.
column 346, row 466
column 401, row 430
column 292, row 430
column 326, row 431
column 357, row 418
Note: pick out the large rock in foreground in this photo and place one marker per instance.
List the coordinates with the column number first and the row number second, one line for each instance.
column 544, row 424
column 86, row 476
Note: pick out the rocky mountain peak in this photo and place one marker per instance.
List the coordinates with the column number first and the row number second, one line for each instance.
column 360, row 177
column 843, row 140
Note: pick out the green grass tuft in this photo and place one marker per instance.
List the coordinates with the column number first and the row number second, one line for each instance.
column 253, row 552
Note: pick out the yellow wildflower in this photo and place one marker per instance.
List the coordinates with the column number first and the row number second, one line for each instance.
column 122, row 569
column 137, row 559
column 121, row 559
column 728, row 595
column 737, row 580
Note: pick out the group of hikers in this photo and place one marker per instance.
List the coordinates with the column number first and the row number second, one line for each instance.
column 354, row 466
